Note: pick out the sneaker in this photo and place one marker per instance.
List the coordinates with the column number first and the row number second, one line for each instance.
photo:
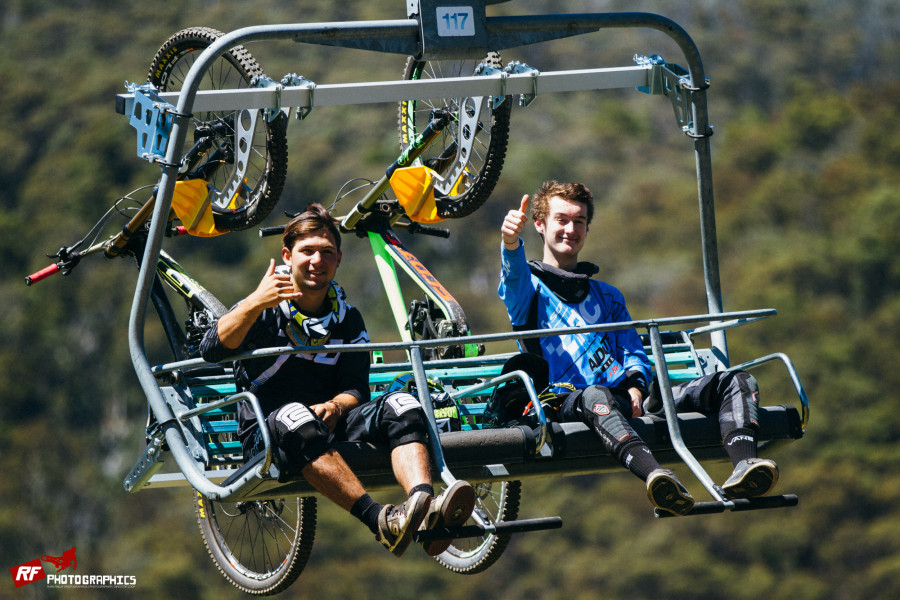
column 452, row 508
column 666, row 493
column 397, row 524
column 751, row 478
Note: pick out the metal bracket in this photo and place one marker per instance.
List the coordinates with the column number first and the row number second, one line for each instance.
column 517, row 68
column 294, row 80
column 146, row 466
column 289, row 80
column 180, row 404
column 484, row 69
column 674, row 82
column 152, row 117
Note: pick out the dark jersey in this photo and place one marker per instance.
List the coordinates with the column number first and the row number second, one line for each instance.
column 305, row 378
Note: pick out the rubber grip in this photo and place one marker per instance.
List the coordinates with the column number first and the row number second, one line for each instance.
column 267, row 231
column 42, row 274
column 435, row 231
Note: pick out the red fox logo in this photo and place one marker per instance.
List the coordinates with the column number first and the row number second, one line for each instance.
column 63, row 562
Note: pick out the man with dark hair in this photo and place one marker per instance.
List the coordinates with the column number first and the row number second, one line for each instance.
column 609, row 371
column 312, row 399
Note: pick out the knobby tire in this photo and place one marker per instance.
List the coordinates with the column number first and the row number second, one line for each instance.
column 245, row 192
column 261, row 547
column 474, row 555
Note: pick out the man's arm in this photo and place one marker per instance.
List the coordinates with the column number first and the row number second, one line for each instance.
column 515, row 279
column 353, row 373
column 637, row 367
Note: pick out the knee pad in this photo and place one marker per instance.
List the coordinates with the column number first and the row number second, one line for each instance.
column 401, row 419
column 740, row 402
column 298, row 433
column 601, row 409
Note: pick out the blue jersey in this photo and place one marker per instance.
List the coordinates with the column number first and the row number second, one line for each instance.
column 597, row 358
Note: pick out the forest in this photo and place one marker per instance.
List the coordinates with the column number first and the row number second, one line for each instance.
column 805, row 103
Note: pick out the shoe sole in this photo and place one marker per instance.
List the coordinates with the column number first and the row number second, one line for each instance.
column 421, row 509
column 458, row 506
column 666, row 495
column 758, row 480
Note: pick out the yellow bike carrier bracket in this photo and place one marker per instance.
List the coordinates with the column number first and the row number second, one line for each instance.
column 414, row 188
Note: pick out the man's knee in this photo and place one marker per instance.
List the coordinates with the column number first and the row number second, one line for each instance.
column 601, row 409
column 299, row 433
column 739, row 406
column 402, row 420
column 597, row 402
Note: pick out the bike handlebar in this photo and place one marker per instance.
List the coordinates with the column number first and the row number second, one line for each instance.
column 267, row 231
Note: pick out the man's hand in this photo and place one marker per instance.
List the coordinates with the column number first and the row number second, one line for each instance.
column 234, row 325
column 513, row 225
column 273, row 288
column 637, row 398
column 331, row 411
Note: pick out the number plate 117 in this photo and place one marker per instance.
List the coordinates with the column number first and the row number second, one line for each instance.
column 455, row 21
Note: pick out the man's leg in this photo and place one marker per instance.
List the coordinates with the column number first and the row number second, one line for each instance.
column 734, row 397
column 411, row 464
column 303, row 438
column 452, row 508
column 334, row 479
column 398, row 420
column 602, row 411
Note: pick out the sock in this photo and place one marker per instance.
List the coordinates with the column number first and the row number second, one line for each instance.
column 367, row 510
column 423, row 487
column 740, row 444
column 638, row 459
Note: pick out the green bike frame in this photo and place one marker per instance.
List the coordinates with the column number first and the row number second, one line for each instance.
column 389, row 251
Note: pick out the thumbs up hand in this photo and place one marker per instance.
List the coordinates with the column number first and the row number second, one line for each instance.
column 273, row 288
column 513, row 224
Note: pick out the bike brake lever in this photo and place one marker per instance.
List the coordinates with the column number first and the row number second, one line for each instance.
column 68, row 259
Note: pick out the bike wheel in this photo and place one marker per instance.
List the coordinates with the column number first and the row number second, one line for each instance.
column 469, row 153
column 246, row 162
column 495, row 502
column 261, row 547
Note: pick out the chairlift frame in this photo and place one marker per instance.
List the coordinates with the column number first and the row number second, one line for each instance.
column 421, row 35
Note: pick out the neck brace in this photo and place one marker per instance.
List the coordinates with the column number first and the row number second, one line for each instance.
column 569, row 286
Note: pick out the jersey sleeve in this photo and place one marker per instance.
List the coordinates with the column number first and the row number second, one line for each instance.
column 516, row 288
column 211, row 347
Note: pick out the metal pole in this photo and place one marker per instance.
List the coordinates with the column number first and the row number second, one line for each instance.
column 415, row 358
column 665, row 389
